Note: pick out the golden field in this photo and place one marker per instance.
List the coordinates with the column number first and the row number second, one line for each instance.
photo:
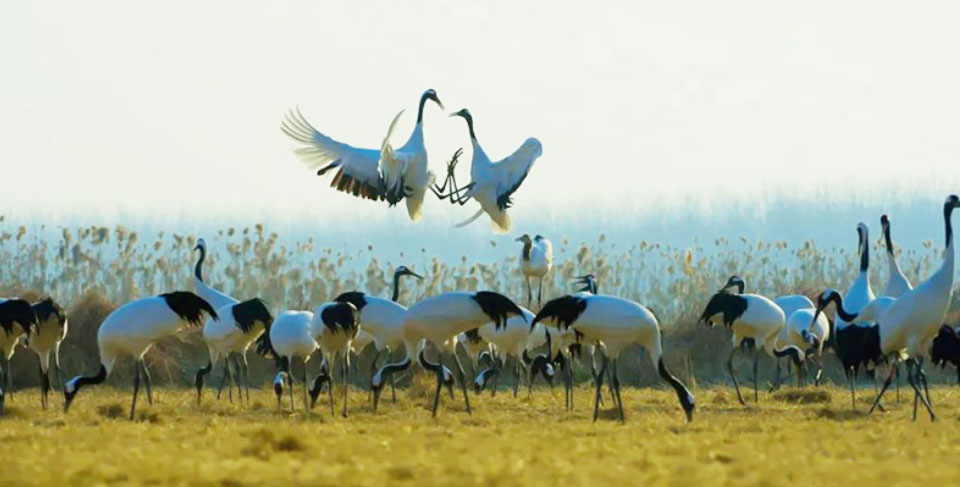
column 794, row 437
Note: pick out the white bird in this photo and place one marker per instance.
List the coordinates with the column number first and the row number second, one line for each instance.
column 290, row 336
column 804, row 329
column 385, row 174
column 380, row 319
column 438, row 319
column 860, row 293
column 897, row 283
column 335, row 325
column 239, row 326
column 618, row 323
column 910, row 324
column 492, row 184
column 17, row 320
column 51, row 331
column 750, row 316
column 216, row 298
column 132, row 329
column 536, row 260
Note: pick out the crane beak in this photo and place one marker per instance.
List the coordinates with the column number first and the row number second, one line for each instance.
column 414, row 274
column 437, row 99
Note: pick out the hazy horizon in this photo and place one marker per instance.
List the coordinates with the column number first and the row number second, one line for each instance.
column 125, row 110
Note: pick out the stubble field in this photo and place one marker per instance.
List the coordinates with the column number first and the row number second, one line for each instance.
column 793, row 437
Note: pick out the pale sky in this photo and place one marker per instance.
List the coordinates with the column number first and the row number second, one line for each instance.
column 173, row 108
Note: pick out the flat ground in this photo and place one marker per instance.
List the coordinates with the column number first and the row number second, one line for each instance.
column 794, row 437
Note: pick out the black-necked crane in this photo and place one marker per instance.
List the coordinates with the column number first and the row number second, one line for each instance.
column 51, row 331
column 536, row 259
column 897, row 283
column 911, row 323
column 335, row 325
column 132, row 329
column 240, row 325
column 618, row 323
column 376, row 174
column 492, row 184
column 750, row 316
column 381, row 319
column 17, row 320
column 438, row 319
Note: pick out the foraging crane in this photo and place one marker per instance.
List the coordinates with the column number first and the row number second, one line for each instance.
column 240, row 324
column 513, row 339
column 381, row 318
column 51, row 331
column 132, row 329
column 618, row 323
column 290, row 336
column 857, row 344
column 897, row 283
column 536, row 259
column 216, row 298
column 791, row 335
column 437, row 319
column 17, row 320
column 335, row 325
column 911, row 323
column 385, row 174
column 750, row 316
column 492, row 184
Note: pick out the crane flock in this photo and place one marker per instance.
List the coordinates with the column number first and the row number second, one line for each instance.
column 906, row 324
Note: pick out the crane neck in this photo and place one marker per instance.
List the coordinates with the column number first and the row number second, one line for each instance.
column 396, row 287
column 196, row 270
column 948, row 228
column 865, row 253
column 423, row 101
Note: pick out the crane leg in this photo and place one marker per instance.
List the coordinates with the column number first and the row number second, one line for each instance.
column 923, row 378
column 463, row 382
column 303, row 379
column 136, row 387
column 756, row 362
column 568, row 382
column 529, row 292
column 436, row 395
column 776, row 375
column 146, row 381
column 246, row 374
column 851, row 376
column 599, row 380
column 540, row 294
column 886, row 384
column 616, row 388
column 56, row 363
column 45, row 386
column 733, row 375
column 346, row 382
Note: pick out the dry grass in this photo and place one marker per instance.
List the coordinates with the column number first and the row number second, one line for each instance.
column 792, row 438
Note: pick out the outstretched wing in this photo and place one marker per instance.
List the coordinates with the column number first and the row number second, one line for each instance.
column 393, row 167
column 510, row 172
column 359, row 172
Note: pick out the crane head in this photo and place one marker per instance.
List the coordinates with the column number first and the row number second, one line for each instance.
column 404, row 271
column 431, row 94
column 523, row 238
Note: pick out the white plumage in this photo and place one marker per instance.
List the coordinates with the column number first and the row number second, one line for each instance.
column 132, row 329
column 536, row 260
column 386, row 174
column 751, row 316
column 860, row 293
column 51, row 331
column 618, row 323
column 492, row 184
column 238, row 326
column 439, row 319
